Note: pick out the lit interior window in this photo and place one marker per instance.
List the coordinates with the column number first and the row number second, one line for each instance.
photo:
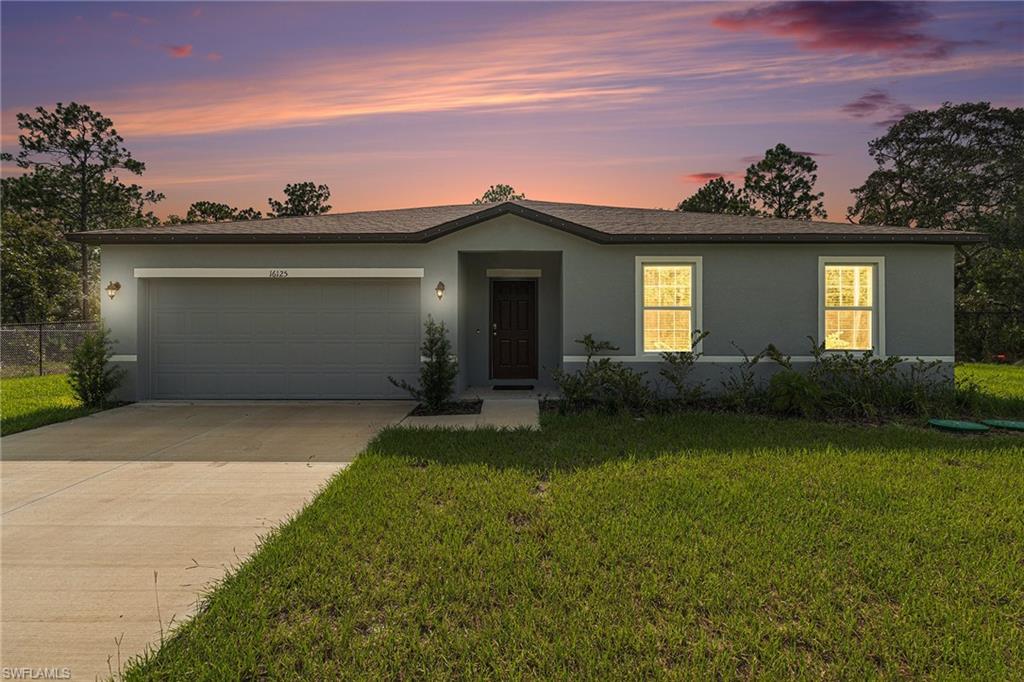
column 849, row 307
column 668, row 308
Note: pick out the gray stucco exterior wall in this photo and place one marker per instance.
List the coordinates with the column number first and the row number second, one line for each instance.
column 753, row 294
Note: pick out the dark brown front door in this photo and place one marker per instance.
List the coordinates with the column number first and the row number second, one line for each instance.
column 513, row 329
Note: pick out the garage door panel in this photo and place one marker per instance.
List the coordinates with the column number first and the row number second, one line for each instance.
column 371, row 324
column 303, row 338
column 403, row 324
column 397, row 354
column 336, row 324
column 267, row 325
column 170, row 323
column 303, row 324
column 338, row 295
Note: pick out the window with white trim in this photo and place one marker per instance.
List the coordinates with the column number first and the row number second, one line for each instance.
column 850, row 306
column 667, row 306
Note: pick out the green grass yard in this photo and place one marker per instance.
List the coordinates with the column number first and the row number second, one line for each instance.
column 701, row 545
column 29, row 402
column 1003, row 381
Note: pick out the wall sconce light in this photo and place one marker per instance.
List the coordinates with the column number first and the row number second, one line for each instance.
column 112, row 289
column 439, row 290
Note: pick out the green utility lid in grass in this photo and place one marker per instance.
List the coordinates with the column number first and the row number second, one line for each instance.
column 1004, row 424
column 956, row 425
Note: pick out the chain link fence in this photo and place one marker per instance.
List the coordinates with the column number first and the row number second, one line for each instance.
column 987, row 335
column 40, row 348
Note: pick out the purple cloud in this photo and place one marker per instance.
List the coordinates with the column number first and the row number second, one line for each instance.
column 877, row 102
column 871, row 27
column 709, row 175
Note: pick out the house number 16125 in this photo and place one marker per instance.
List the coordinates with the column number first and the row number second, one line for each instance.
column 278, row 274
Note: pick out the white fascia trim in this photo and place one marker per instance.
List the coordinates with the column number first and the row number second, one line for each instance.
column 638, row 309
column 879, row 263
column 280, row 273
column 124, row 358
column 521, row 273
column 734, row 358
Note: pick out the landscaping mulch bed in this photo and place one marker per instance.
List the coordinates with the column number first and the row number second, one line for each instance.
column 453, row 407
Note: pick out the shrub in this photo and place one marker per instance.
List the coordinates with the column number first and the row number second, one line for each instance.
column 677, row 369
column 740, row 391
column 437, row 372
column 793, row 393
column 602, row 383
column 91, row 376
column 865, row 386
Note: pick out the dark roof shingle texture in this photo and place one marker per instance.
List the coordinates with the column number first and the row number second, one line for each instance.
column 600, row 223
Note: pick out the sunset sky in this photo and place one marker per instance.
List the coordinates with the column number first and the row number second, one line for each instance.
column 411, row 104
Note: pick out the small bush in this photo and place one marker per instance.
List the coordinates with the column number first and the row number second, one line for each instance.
column 91, row 376
column 602, row 383
column 677, row 369
column 438, row 371
column 792, row 393
column 865, row 386
column 740, row 390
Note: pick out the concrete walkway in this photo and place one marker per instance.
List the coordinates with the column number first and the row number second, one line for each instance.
column 297, row 431
column 509, row 413
column 91, row 509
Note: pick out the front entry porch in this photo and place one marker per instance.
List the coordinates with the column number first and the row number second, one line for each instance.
column 510, row 318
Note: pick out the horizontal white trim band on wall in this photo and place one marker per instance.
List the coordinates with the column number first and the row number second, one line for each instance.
column 513, row 272
column 736, row 358
column 124, row 358
column 281, row 273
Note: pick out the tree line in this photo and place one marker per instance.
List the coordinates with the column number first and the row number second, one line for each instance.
column 958, row 167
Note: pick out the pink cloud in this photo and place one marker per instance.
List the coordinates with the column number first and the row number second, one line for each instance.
column 214, row 56
column 179, row 51
column 872, row 27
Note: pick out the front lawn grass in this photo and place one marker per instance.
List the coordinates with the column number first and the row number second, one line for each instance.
column 28, row 402
column 692, row 546
column 1004, row 381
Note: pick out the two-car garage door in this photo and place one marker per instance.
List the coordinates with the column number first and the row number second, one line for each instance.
column 281, row 338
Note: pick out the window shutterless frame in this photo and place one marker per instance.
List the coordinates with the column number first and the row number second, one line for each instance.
column 877, row 264
column 696, row 297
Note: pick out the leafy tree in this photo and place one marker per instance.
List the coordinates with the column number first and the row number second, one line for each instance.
column 209, row 212
column 499, row 193
column 959, row 167
column 301, row 198
column 214, row 212
column 718, row 196
column 249, row 214
column 38, row 271
column 73, row 156
column 782, row 184
column 173, row 219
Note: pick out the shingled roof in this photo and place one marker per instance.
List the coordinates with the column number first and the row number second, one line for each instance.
column 602, row 224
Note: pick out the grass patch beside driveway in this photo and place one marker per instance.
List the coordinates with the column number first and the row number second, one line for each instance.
column 30, row 402
column 600, row 547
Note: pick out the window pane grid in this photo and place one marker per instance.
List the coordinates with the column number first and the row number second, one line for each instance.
column 667, row 308
column 849, row 307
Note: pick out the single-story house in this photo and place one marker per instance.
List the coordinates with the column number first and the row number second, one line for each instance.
column 329, row 306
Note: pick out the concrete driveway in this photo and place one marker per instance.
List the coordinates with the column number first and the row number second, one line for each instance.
column 112, row 525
